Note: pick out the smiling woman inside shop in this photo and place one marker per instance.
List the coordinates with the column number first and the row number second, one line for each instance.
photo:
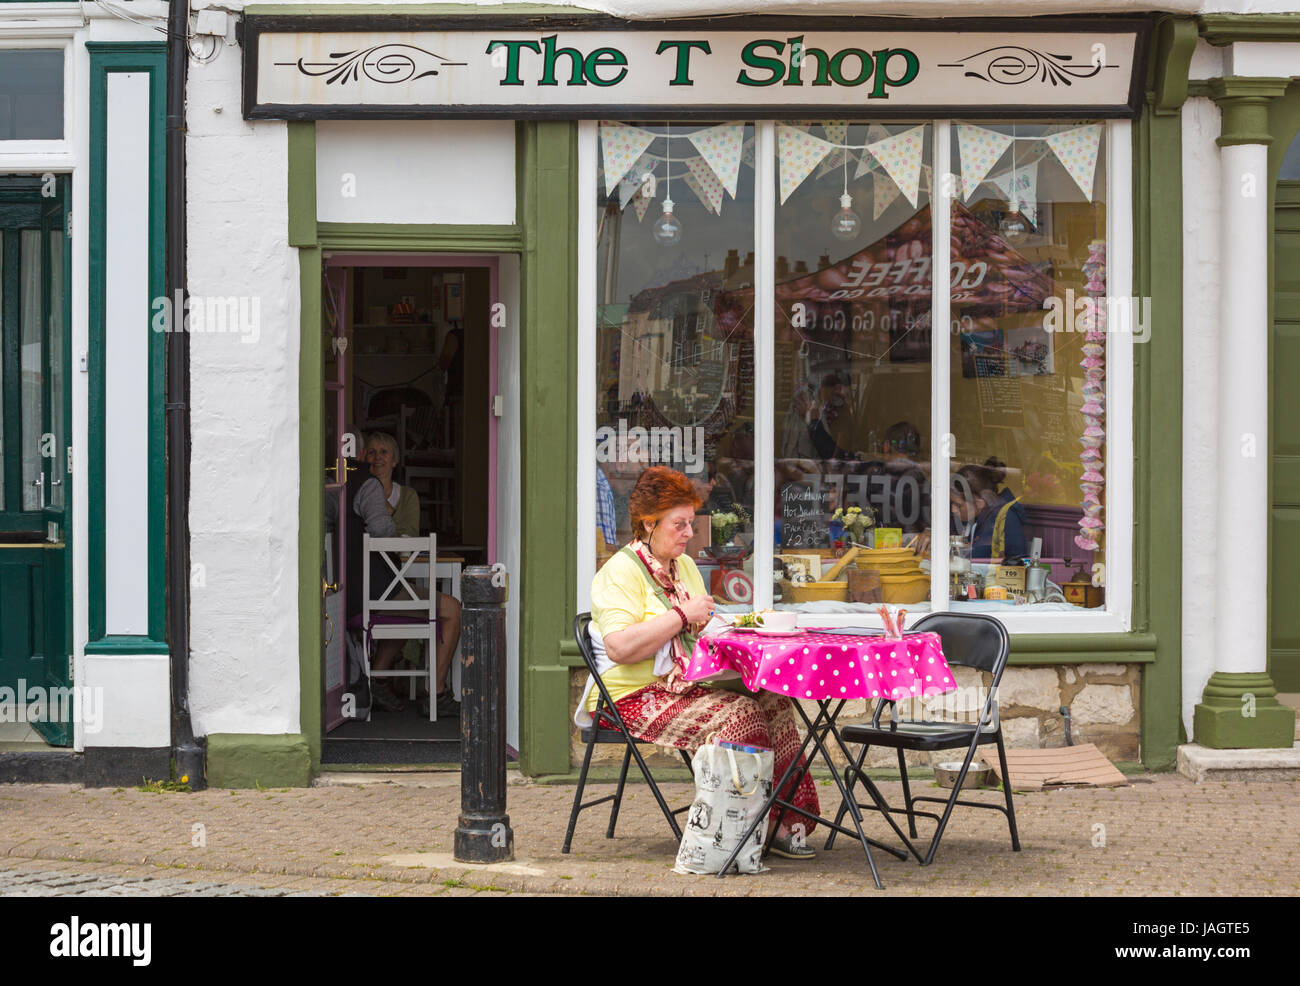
column 647, row 603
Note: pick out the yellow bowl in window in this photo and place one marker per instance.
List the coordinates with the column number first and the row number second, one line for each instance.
column 905, row 588
column 995, row 592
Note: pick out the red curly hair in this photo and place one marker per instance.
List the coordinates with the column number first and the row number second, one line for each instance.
column 658, row 490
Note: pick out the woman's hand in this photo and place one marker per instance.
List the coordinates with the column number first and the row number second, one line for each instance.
column 698, row 609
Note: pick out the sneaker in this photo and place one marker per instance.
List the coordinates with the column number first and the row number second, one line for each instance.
column 784, row 846
column 447, row 704
column 384, row 698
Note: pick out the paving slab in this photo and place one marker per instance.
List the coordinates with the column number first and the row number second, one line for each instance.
column 1160, row 835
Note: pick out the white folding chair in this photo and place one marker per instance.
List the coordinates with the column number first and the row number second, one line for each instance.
column 398, row 613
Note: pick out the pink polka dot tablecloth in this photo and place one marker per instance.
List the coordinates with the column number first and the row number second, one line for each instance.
column 810, row 665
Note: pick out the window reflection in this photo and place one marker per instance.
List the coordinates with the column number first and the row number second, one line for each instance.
column 675, row 342
column 852, row 370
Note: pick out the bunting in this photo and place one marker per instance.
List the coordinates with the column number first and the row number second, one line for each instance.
column 1077, row 151
column 900, row 157
column 621, row 146
column 980, row 150
column 883, row 194
column 722, row 148
column 707, row 186
column 639, row 205
column 1023, row 196
column 798, row 152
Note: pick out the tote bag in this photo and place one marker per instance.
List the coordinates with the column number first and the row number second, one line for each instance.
column 731, row 788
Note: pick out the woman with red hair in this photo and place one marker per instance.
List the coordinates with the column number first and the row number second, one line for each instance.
column 647, row 603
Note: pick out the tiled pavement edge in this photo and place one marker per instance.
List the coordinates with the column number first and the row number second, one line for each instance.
column 1162, row 835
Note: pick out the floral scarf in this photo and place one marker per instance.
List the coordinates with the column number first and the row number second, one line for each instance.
column 668, row 587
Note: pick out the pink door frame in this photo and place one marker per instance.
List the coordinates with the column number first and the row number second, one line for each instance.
column 492, row 263
column 334, row 697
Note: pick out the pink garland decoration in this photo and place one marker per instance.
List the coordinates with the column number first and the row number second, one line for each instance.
column 1094, row 365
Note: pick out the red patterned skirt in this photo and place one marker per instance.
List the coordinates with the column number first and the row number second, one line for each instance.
column 699, row 715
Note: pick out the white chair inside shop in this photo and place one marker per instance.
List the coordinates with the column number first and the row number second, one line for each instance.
column 397, row 612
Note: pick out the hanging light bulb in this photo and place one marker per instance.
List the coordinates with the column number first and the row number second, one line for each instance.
column 846, row 224
column 1014, row 227
column 667, row 229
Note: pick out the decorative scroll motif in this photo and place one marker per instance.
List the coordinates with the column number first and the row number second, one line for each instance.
column 1013, row 65
column 389, row 64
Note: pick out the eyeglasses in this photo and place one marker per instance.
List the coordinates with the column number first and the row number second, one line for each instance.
column 679, row 526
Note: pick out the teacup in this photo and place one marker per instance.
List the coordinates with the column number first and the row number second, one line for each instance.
column 778, row 621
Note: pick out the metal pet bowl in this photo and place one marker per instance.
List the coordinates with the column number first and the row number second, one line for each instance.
column 977, row 776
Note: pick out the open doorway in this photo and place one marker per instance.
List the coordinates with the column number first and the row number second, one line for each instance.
column 410, row 383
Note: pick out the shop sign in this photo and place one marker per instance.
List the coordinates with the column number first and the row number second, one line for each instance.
column 351, row 67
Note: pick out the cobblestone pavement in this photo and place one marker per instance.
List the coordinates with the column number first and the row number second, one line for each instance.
column 392, row 835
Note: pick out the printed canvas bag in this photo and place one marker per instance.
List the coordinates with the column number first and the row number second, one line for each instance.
column 731, row 787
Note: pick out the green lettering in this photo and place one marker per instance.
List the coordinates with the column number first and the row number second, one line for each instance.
column 912, row 63
column 683, row 76
column 864, row 71
column 798, row 55
column 551, row 54
column 512, row 58
column 605, row 56
column 750, row 58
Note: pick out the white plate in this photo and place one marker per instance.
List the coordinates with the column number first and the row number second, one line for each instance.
column 779, row 633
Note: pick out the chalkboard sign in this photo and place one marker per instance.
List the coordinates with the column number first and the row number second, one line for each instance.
column 803, row 518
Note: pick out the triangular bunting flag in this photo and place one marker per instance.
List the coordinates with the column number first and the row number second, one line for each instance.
column 866, row 163
column 798, row 152
column 708, row 181
column 721, row 147
column 747, row 154
column 836, row 133
column 1023, row 196
column 980, row 150
column 835, row 159
column 883, row 193
column 620, row 147
column 691, row 182
column 900, row 156
column 1077, row 151
column 627, row 190
column 639, row 206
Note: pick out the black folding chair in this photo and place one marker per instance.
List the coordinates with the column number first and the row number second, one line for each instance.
column 970, row 640
column 596, row 733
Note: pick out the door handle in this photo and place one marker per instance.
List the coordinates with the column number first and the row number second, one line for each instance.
column 39, row 483
column 327, row 587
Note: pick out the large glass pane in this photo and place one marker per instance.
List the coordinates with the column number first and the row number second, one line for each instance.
column 58, row 462
column 31, row 94
column 32, row 364
column 852, row 368
column 675, row 333
column 1028, row 361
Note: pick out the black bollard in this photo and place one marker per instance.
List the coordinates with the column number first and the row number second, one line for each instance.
column 484, row 834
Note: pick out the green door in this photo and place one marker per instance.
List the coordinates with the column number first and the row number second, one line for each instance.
column 1284, row 547
column 35, row 562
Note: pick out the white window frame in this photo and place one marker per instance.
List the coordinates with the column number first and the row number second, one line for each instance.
column 17, row 156
column 1115, row 616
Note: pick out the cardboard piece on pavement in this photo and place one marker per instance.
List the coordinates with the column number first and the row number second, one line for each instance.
column 1068, row 766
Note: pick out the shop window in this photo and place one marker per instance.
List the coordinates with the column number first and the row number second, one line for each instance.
column 816, row 302
column 31, row 94
column 675, row 328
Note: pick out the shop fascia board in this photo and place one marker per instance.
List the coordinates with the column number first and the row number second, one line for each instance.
column 1226, row 29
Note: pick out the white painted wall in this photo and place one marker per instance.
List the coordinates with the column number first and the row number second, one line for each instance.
column 1202, row 257
column 130, row 697
column 244, row 419
column 416, row 171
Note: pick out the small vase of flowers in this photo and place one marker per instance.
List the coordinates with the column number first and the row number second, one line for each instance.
column 855, row 522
